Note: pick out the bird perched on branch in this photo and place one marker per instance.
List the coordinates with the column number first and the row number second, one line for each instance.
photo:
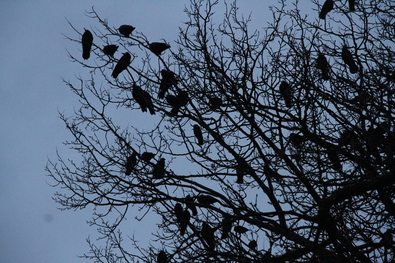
column 110, row 50
column 351, row 5
column 162, row 257
column 158, row 47
column 126, row 30
column 349, row 60
column 207, row 233
column 198, row 134
column 326, row 8
column 178, row 211
column 226, row 226
column 131, row 163
column 191, row 204
column 323, row 65
column 122, row 64
column 159, row 169
column 177, row 102
column 215, row 103
column 168, row 79
column 186, row 217
column 206, row 199
column 286, row 93
column 87, row 41
column 147, row 156
column 143, row 99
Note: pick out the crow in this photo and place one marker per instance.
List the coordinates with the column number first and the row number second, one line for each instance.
column 168, row 79
column 122, row 64
column 286, row 93
column 159, row 169
column 186, row 217
column 161, row 257
column 323, row 65
column 87, row 40
column 226, row 226
column 179, row 212
column 326, row 8
column 206, row 199
column 351, row 5
column 177, row 102
column 110, row 50
column 191, row 204
column 143, row 99
column 147, row 156
column 130, row 163
column 208, row 235
column 215, row 103
column 240, row 229
column 158, row 47
column 126, row 30
column 349, row 60
column 198, row 134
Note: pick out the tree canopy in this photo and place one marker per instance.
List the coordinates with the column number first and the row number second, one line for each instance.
column 263, row 145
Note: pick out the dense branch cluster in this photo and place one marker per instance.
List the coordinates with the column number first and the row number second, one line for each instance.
column 267, row 145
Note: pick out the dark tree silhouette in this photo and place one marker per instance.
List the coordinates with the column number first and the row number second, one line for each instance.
column 297, row 163
column 87, row 40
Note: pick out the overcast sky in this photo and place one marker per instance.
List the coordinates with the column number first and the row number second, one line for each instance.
column 34, row 58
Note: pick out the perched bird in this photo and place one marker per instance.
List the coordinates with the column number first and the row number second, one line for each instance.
column 177, row 102
column 252, row 244
column 161, row 257
column 351, row 5
column 323, row 65
column 87, row 40
column 286, row 93
column 186, row 217
column 191, row 204
column 198, row 134
column 126, row 30
column 226, row 226
column 296, row 139
column 349, row 60
column 206, row 199
column 240, row 229
column 110, row 50
column 215, row 103
column 208, row 235
column 326, row 8
column 179, row 212
column 241, row 170
column 159, row 169
column 131, row 163
column 168, row 79
column 147, row 156
column 158, row 47
column 122, row 64
column 143, row 99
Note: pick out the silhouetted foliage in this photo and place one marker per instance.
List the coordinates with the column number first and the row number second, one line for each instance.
column 297, row 160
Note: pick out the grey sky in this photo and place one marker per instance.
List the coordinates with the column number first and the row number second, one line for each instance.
column 34, row 58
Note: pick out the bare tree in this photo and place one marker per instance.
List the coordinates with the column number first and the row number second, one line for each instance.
column 268, row 145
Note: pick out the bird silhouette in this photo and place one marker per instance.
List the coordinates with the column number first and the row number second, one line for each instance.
column 126, row 30
column 122, row 64
column 226, row 226
column 191, row 204
column 158, row 47
column 143, row 99
column 162, row 257
column 198, row 134
column 349, row 60
column 215, row 103
column 206, row 199
column 186, row 217
column 177, row 102
column 87, row 40
column 179, row 212
column 110, row 50
column 207, row 233
column 326, row 8
column 252, row 245
column 351, row 5
column 159, row 169
column 286, row 93
column 240, row 229
column 168, row 79
column 323, row 65
column 131, row 163
column 147, row 156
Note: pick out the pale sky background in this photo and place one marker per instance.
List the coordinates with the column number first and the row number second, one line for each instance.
column 33, row 60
